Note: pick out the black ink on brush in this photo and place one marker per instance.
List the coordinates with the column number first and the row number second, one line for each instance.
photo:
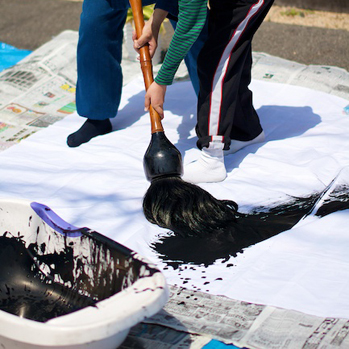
column 186, row 209
column 172, row 203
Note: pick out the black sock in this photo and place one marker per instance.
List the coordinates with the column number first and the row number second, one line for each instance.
column 90, row 129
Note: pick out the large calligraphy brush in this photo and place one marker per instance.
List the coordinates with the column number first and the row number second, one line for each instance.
column 170, row 202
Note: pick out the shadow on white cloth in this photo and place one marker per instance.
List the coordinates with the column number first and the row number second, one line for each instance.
column 101, row 185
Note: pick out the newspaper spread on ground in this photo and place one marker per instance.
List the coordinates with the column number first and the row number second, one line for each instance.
column 249, row 325
column 331, row 80
column 39, row 90
column 153, row 336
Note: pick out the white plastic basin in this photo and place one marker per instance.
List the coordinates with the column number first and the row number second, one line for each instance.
column 68, row 287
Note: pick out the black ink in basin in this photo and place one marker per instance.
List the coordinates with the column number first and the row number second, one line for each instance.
column 58, row 269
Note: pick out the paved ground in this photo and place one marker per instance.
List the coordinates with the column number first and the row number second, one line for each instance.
column 322, row 5
column 28, row 24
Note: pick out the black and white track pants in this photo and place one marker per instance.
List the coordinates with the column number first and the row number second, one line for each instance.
column 225, row 109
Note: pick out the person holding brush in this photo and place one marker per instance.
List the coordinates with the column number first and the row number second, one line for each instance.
column 99, row 54
column 226, row 118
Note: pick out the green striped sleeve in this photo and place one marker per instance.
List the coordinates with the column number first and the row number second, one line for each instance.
column 191, row 19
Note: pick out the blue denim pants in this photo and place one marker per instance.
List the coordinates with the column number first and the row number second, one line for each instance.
column 99, row 54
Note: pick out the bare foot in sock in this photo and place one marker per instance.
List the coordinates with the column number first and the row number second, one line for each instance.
column 209, row 168
column 90, row 129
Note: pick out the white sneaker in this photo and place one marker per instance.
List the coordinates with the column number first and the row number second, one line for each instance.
column 237, row 145
column 209, row 168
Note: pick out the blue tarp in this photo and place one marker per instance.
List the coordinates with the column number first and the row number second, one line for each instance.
column 10, row 55
column 214, row 344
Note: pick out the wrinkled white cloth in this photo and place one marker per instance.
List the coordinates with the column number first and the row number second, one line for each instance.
column 101, row 185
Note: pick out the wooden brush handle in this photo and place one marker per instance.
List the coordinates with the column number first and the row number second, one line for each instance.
column 146, row 65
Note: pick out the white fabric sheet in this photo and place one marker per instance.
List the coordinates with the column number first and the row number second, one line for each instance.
column 101, row 184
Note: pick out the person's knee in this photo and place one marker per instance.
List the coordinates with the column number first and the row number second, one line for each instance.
column 92, row 24
column 101, row 23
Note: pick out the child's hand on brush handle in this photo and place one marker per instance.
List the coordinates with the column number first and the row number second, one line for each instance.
column 155, row 97
column 150, row 32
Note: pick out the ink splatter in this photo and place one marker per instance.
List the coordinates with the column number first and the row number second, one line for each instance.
column 250, row 228
column 337, row 200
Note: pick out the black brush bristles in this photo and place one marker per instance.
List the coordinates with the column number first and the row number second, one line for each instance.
column 185, row 208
